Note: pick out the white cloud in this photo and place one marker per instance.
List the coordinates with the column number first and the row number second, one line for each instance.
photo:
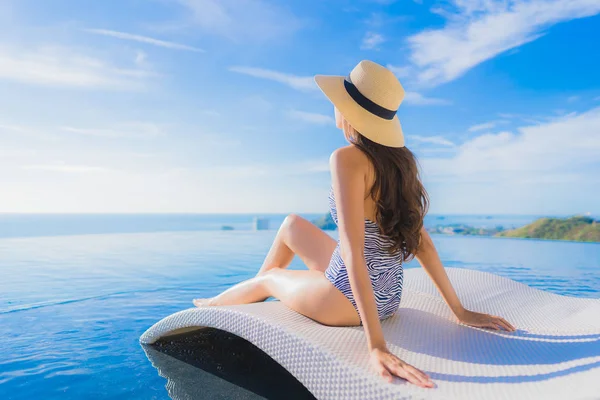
column 134, row 129
column 572, row 99
column 144, row 39
column 81, row 187
column 380, row 19
column 141, row 58
column 38, row 133
column 384, row 2
column 371, row 41
column 214, row 140
column 17, row 128
column 432, row 139
column 482, row 127
column 54, row 66
column 314, row 166
column 312, row 118
column 307, row 83
column 66, row 168
column 508, row 115
column 477, row 30
column 400, row 72
column 304, row 83
column 129, row 129
column 241, row 20
column 255, row 170
column 310, row 166
column 16, row 152
column 210, row 113
column 564, row 145
column 256, row 103
column 488, row 125
column 426, row 151
column 420, row 100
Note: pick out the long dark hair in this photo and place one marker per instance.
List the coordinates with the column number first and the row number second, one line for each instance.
column 398, row 192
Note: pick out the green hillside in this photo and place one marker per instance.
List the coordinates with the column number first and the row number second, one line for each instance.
column 579, row 228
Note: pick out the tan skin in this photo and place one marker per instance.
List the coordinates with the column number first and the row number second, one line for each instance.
column 308, row 292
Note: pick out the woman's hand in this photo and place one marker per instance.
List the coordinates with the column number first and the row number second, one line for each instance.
column 387, row 365
column 481, row 320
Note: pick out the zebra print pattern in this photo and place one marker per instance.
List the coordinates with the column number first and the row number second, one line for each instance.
column 385, row 269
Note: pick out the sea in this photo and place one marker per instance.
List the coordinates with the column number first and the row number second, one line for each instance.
column 77, row 291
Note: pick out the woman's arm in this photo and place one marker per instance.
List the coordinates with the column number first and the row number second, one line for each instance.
column 429, row 259
column 348, row 181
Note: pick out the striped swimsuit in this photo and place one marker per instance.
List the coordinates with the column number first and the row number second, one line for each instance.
column 385, row 269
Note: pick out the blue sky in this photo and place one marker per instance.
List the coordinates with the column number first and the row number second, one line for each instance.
column 209, row 106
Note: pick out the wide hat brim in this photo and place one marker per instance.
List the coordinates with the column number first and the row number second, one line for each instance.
column 387, row 132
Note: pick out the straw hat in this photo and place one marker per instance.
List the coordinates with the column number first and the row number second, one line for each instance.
column 368, row 98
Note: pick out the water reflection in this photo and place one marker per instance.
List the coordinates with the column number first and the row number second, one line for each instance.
column 210, row 363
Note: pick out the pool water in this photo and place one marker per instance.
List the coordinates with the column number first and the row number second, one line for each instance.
column 73, row 307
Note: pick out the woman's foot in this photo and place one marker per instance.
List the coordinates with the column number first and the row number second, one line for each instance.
column 203, row 302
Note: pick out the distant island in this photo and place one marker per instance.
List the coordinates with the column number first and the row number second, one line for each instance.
column 577, row 228
column 460, row 229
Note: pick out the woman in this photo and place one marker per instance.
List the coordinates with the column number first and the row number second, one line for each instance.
column 378, row 203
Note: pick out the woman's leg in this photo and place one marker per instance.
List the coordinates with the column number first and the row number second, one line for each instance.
column 295, row 236
column 306, row 292
column 299, row 236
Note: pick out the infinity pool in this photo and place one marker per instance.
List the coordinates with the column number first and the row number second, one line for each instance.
column 73, row 307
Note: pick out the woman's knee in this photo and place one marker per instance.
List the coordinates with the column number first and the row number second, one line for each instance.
column 292, row 221
column 292, row 224
column 284, row 284
column 269, row 282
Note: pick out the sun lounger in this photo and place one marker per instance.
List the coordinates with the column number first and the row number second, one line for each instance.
column 555, row 354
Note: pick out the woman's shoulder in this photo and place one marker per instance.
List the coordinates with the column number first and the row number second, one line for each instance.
column 348, row 156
